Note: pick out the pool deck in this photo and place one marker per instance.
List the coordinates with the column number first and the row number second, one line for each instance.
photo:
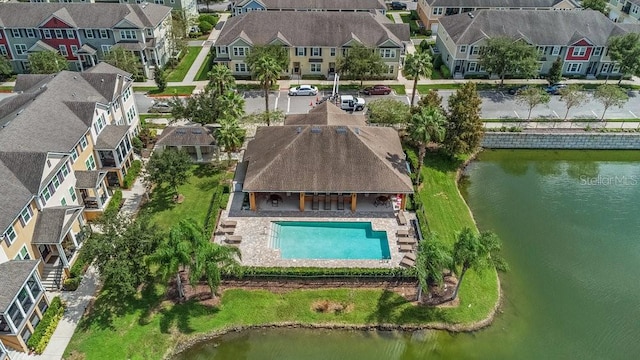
column 255, row 229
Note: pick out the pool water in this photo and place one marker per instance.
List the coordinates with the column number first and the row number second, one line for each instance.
column 329, row 240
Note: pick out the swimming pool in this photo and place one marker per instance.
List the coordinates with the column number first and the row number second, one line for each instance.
column 329, row 240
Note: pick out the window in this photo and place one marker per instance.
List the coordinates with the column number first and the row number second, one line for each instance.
column 540, row 50
column 301, row 51
column 579, row 51
column 634, row 9
column 333, row 52
column 72, row 192
column 106, row 49
column 65, row 170
column 128, row 34
column 241, row 67
column 26, row 215
column 63, row 50
column 56, row 182
column 473, row 66
column 475, row 50
column 10, row 234
column 222, row 50
column 574, row 67
column 74, row 154
column 99, row 124
column 58, row 34
column 34, row 320
column 316, row 51
column 63, row 202
column 46, row 194
column 437, row 11
column 3, row 50
column 21, row 49
column 104, row 34
column 388, row 53
column 90, row 163
column 23, row 254
column 615, row 68
column 555, row 51
column 463, row 48
column 88, row 33
column 316, row 68
column 159, row 2
column 149, row 32
column 390, row 69
column 71, row 34
column 597, row 51
column 83, row 142
column 46, row 33
column 74, row 50
column 131, row 114
column 240, row 51
column 15, row 314
column 15, row 33
column 31, row 33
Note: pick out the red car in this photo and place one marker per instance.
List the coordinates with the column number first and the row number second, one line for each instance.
column 377, row 90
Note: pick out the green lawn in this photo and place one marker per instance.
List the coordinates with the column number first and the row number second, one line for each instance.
column 180, row 71
column 169, row 91
column 203, row 72
column 399, row 89
column 6, row 88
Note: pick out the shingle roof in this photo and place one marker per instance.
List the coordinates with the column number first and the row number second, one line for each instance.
column 313, row 28
column 494, row 3
column 326, row 114
column 26, row 166
column 25, row 82
column 321, row 4
column 94, row 16
column 538, row 27
column 326, row 158
column 186, row 136
column 88, row 179
column 51, row 224
column 14, row 197
column 13, row 275
column 106, row 68
column 111, row 136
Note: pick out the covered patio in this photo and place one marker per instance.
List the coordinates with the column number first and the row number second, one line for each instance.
column 197, row 141
column 383, row 203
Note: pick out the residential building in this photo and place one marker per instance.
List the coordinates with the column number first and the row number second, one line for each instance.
column 624, row 11
column 197, row 141
column 326, row 153
column 430, row 11
column 243, row 6
column 66, row 139
column 4, row 353
column 578, row 38
column 314, row 39
column 85, row 33
column 22, row 303
column 187, row 7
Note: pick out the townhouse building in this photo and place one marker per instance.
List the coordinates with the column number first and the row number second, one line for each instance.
column 624, row 11
column 431, row 11
column 85, row 33
column 578, row 38
column 187, row 7
column 66, row 142
column 314, row 39
column 244, row 6
column 4, row 354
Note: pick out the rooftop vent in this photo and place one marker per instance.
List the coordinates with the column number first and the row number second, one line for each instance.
column 357, row 130
column 298, row 129
column 341, row 130
column 196, row 131
column 470, row 15
column 316, row 130
column 181, row 132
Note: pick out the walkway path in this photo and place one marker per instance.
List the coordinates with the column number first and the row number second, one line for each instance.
column 206, row 49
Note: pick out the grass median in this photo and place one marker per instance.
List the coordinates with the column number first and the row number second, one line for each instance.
column 180, row 71
column 169, row 91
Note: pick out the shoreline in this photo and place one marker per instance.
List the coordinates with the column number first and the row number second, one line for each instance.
column 440, row 326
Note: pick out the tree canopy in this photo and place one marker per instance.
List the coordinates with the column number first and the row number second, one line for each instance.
column 572, row 96
column 532, row 97
column 505, row 56
column 160, row 78
column 230, row 135
column 433, row 257
column 5, row 68
column 555, row 73
column 610, row 95
column 417, row 66
column 221, row 78
column 388, row 112
column 465, row 128
column 208, row 106
column 625, row 50
column 123, row 60
column 47, row 62
column 267, row 62
column 361, row 62
column 427, row 125
column 169, row 166
column 597, row 5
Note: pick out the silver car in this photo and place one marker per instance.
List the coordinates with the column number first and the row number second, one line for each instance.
column 161, row 107
column 303, row 90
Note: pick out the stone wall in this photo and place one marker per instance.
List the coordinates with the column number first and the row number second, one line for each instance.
column 548, row 140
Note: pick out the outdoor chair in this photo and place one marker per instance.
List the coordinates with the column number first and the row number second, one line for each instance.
column 406, row 248
column 340, row 202
column 402, row 233
column 327, row 202
column 407, row 240
column 408, row 260
column 315, row 205
column 229, row 223
column 228, row 230
column 234, row 239
column 402, row 220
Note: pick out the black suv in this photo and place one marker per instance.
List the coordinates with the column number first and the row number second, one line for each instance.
column 397, row 5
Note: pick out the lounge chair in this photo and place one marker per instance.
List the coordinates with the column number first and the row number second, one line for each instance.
column 327, row 202
column 406, row 248
column 229, row 223
column 402, row 233
column 402, row 220
column 233, row 239
column 228, row 230
column 340, row 202
column 315, row 205
column 408, row 260
column 407, row 240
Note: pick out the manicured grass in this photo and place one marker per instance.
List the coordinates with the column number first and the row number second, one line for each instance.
column 180, row 71
column 203, row 72
column 197, row 192
column 169, row 91
column 144, row 117
column 6, row 88
column 390, row 17
column 399, row 89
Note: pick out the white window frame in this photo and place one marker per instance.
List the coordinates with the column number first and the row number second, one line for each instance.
column 105, row 49
column 90, row 163
column 21, row 49
column 72, row 193
column 555, row 51
column 46, row 33
column 26, row 215
column 437, row 11
column 475, row 50
column 615, row 68
column 301, row 51
column 316, row 67
column 74, row 50
column 30, row 33
column 579, row 51
column 88, row 33
column 574, row 67
column 387, row 53
column 71, row 34
column 597, row 51
column 463, row 48
column 16, row 33
column 83, row 142
column 241, row 67
column 316, row 51
column 104, row 34
column 222, row 50
column 332, row 52
column 390, row 69
column 3, row 50
column 10, row 234
column 63, row 50
column 128, row 35
column 58, row 33
column 473, row 66
column 23, row 254
column 240, row 51
column 74, row 154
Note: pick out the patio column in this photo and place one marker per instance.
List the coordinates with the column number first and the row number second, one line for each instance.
column 353, row 202
column 198, row 153
column 62, row 255
column 403, row 203
column 301, row 201
column 252, row 201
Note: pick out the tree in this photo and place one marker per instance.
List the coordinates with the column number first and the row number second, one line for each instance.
column 572, row 96
column 424, row 127
column 433, row 99
column 5, row 68
column 417, row 66
column 503, row 55
column 266, row 64
column 610, row 95
column 597, row 5
column 388, row 112
column 221, row 78
column 120, row 250
column 532, row 97
column 361, row 62
column 230, row 135
column 465, row 128
column 124, row 60
column 433, row 257
column 188, row 247
column 208, row 106
column 475, row 251
column 160, row 77
column 555, row 73
column 169, row 166
column 47, row 62
column 625, row 50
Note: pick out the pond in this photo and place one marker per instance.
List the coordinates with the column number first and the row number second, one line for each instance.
column 570, row 225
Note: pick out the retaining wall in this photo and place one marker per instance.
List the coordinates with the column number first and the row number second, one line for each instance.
column 549, row 140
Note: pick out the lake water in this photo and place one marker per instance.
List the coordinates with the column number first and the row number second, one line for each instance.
column 570, row 225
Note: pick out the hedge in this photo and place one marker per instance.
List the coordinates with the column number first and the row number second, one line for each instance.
column 114, row 204
column 444, row 70
column 132, row 174
column 317, row 272
column 45, row 328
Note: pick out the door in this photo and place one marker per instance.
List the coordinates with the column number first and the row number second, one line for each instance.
column 44, row 251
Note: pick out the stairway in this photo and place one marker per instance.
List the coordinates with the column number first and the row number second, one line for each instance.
column 52, row 276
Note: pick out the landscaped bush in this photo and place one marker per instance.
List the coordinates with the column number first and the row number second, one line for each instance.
column 42, row 334
column 414, row 15
column 218, row 201
column 314, row 77
column 316, row 272
column 205, row 26
column 477, row 76
column 211, row 19
column 444, row 70
column 114, row 204
column 137, row 144
column 132, row 174
column 428, row 32
column 194, row 35
column 437, row 61
column 71, row 283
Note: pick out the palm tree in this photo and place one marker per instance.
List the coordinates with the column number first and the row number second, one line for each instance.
column 432, row 259
column 221, row 78
column 213, row 259
column 267, row 70
column 230, row 105
column 418, row 66
column 424, row 127
column 230, row 135
column 478, row 251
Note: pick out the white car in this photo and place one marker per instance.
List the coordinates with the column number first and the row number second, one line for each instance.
column 303, row 90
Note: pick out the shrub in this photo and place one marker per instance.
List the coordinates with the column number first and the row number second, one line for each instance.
column 205, row 26
column 444, row 70
column 428, row 32
column 132, row 174
column 437, row 61
column 213, row 20
column 314, row 272
column 194, row 35
column 114, row 204
column 137, row 144
column 414, row 15
column 71, row 284
column 42, row 333
column 313, row 77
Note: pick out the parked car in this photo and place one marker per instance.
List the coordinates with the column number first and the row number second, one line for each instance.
column 397, row 5
column 160, row 107
column 517, row 89
column 555, row 89
column 303, row 90
column 377, row 90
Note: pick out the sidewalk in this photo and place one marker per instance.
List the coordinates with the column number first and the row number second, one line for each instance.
column 206, row 49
